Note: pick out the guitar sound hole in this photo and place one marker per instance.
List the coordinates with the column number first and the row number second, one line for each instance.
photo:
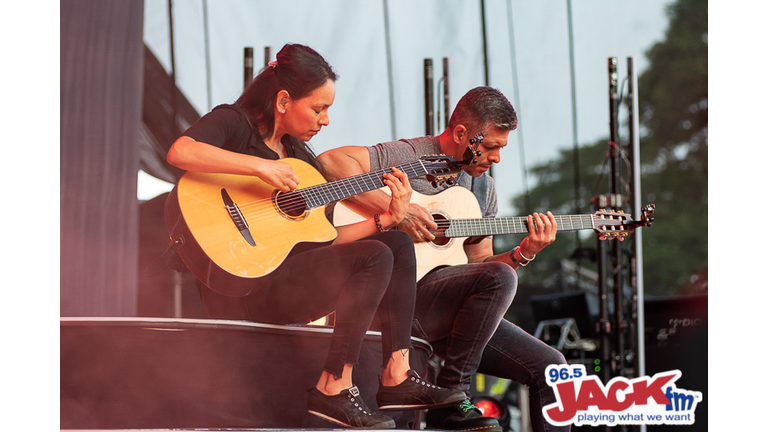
column 443, row 224
column 291, row 204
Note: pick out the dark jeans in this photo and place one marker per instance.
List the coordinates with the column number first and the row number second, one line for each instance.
column 371, row 277
column 461, row 309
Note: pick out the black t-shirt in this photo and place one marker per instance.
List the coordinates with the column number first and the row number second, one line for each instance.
column 227, row 127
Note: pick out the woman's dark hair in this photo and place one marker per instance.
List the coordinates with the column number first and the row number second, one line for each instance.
column 299, row 70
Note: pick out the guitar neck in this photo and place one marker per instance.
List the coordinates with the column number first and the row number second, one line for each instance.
column 512, row 225
column 326, row 193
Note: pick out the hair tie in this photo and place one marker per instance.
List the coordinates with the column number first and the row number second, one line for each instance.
column 272, row 64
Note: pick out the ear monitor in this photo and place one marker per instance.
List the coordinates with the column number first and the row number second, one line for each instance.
column 471, row 151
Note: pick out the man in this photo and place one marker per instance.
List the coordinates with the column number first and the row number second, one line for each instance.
column 460, row 308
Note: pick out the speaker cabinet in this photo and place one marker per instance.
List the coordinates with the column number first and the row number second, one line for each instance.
column 676, row 338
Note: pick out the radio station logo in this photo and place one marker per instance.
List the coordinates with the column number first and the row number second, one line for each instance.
column 583, row 399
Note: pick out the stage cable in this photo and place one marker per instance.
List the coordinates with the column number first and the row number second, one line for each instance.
column 393, row 122
column 485, row 57
column 638, row 276
column 513, row 59
column 174, row 110
column 177, row 281
column 206, row 36
column 437, row 109
column 446, row 91
column 576, row 164
column 429, row 113
column 619, row 349
column 485, row 43
column 442, row 84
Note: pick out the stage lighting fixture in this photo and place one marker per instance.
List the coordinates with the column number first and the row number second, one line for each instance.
column 491, row 407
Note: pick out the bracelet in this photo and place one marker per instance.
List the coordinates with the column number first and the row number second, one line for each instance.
column 523, row 256
column 377, row 219
column 514, row 260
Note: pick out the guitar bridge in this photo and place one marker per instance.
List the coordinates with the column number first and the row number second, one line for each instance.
column 237, row 217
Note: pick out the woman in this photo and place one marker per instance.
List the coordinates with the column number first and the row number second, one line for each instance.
column 367, row 271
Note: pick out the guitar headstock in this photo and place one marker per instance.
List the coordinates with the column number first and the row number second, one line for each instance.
column 613, row 224
column 441, row 169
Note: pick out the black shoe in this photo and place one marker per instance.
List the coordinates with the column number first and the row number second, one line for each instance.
column 464, row 417
column 414, row 393
column 346, row 409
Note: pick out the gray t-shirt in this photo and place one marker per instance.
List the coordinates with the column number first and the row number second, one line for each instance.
column 396, row 153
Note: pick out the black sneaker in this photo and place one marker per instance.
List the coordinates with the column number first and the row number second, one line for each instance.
column 464, row 417
column 414, row 393
column 346, row 409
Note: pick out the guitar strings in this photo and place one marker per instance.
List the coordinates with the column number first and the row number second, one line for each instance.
column 515, row 220
column 295, row 200
column 486, row 226
column 300, row 200
column 377, row 176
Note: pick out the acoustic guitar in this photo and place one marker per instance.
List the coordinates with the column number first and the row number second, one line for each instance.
column 230, row 229
column 458, row 217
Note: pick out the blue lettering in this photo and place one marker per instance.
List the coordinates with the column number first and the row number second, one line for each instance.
column 679, row 418
column 628, row 418
column 654, row 418
column 679, row 401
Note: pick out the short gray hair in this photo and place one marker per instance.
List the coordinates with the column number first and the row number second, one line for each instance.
column 482, row 107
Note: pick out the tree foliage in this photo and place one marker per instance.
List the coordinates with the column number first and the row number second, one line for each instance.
column 673, row 155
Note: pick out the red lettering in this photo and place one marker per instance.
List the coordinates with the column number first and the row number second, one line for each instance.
column 614, row 404
column 567, row 395
column 642, row 390
column 590, row 394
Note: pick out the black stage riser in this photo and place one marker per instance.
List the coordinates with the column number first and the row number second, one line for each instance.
column 203, row 374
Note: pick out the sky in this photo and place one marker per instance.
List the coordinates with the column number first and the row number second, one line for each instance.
column 528, row 57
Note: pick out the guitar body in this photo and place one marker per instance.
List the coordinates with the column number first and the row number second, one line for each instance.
column 454, row 202
column 211, row 243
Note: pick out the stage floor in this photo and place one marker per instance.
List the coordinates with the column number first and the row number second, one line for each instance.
column 221, row 430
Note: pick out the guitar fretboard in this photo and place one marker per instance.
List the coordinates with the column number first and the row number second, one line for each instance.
column 326, row 193
column 512, row 225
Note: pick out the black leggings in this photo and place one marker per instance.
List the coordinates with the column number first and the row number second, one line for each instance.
column 358, row 280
